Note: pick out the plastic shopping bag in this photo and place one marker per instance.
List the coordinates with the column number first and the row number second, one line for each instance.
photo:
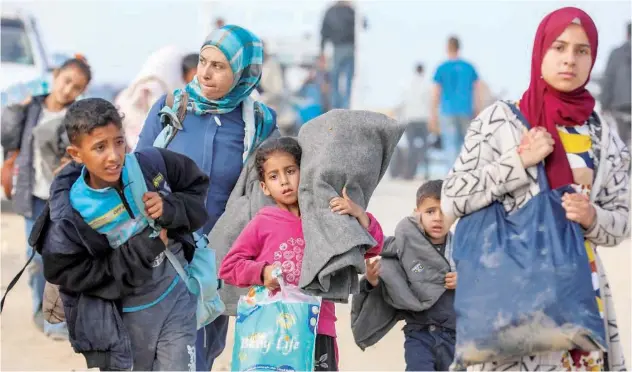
column 275, row 332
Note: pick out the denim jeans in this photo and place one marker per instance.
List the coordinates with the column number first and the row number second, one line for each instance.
column 453, row 130
column 36, row 268
column 163, row 335
column 343, row 67
column 430, row 349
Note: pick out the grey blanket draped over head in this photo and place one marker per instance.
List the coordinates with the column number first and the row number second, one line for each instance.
column 340, row 148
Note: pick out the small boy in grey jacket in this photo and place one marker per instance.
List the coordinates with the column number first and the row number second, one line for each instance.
column 413, row 281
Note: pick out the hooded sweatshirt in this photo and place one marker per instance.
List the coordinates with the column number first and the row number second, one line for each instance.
column 275, row 236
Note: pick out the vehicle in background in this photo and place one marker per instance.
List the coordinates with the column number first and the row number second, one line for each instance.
column 26, row 69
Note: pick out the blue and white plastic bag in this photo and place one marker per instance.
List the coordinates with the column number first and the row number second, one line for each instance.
column 276, row 332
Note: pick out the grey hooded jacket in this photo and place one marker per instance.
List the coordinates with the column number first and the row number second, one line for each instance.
column 412, row 279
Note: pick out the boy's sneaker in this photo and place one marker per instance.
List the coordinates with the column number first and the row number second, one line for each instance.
column 57, row 332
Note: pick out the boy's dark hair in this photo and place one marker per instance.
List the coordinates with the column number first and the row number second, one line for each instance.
column 419, row 68
column 88, row 114
column 430, row 189
column 81, row 64
column 454, row 43
column 287, row 145
column 189, row 62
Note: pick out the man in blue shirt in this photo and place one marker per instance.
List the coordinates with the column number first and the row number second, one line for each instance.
column 454, row 100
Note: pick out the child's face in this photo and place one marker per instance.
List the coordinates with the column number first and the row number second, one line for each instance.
column 432, row 220
column 281, row 177
column 68, row 84
column 102, row 151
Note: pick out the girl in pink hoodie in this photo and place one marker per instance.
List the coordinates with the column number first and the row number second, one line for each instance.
column 274, row 237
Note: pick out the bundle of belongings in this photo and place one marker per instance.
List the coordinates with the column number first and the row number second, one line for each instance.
column 340, row 148
column 400, row 294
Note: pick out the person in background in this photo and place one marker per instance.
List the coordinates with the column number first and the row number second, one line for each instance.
column 272, row 87
column 454, row 100
column 316, row 87
column 162, row 72
column 415, row 112
column 321, row 77
column 41, row 132
column 338, row 27
column 615, row 90
column 222, row 129
column 189, row 66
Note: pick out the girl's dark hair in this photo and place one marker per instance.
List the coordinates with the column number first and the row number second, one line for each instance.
column 79, row 62
column 287, row 145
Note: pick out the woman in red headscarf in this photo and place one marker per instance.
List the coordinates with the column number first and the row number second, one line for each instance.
column 499, row 157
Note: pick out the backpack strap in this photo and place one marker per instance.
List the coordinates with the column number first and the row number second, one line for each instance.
column 14, row 281
column 177, row 266
column 139, row 187
column 34, row 241
column 169, row 100
column 182, row 109
column 172, row 121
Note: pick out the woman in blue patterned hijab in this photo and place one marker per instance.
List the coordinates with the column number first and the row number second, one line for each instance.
column 229, row 70
column 222, row 128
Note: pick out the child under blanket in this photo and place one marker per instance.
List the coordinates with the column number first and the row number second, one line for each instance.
column 274, row 238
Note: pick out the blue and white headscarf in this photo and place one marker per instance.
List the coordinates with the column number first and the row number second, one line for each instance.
column 244, row 52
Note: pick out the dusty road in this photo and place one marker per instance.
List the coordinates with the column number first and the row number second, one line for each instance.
column 26, row 349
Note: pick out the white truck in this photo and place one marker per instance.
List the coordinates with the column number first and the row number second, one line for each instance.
column 25, row 64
